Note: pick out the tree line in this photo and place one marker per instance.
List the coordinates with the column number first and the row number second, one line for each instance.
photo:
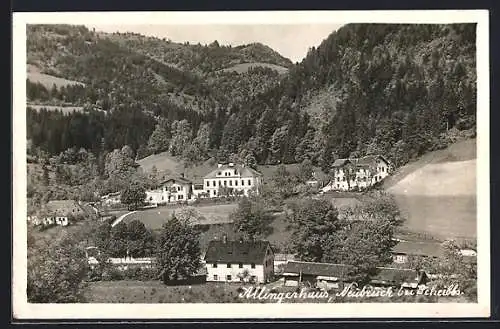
column 395, row 89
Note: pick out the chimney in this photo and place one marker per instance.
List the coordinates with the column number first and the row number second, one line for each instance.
column 231, row 164
column 219, row 165
column 224, row 238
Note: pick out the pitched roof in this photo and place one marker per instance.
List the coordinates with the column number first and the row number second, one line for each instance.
column 366, row 161
column 430, row 249
column 179, row 179
column 389, row 275
column 313, row 268
column 384, row 275
column 243, row 171
column 236, row 251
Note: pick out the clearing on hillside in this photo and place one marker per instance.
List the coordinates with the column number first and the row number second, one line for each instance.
column 164, row 163
column 155, row 217
column 437, row 193
column 244, row 67
column 34, row 75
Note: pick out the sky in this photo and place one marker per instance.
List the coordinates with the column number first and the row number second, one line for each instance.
column 291, row 41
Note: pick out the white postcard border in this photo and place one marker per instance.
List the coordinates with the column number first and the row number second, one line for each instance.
column 23, row 310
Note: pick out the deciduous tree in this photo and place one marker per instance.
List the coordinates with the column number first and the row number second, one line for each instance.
column 177, row 250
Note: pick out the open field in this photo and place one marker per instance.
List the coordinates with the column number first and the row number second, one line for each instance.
column 437, row 193
column 34, row 75
column 157, row 292
column 461, row 151
column 164, row 163
column 155, row 217
column 244, row 67
column 211, row 292
column 441, row 216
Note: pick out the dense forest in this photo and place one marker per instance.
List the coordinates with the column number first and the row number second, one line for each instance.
column 394, row 89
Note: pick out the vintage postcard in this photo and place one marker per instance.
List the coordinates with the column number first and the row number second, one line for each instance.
column 210, row 165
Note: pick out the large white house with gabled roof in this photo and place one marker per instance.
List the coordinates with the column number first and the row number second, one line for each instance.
column 171, row 190
column 237, row 179
column 360, row 173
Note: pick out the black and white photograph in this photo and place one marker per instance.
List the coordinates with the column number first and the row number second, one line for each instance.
column 280, row 162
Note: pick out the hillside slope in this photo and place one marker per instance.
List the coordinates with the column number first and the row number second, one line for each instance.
column 437, row 193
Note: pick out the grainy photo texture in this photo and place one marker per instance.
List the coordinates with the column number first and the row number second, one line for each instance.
column 224, row 163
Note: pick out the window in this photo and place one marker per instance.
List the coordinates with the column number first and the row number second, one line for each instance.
column 225, row 183
column 253, row 278
column 235, row 183
column 228, row 265
column 220, row 183
column 219, row 173
column 208, row 183
column 235, row 172
column 216, row 277
column 343, row 178
column 240, row 265
column 228, row 277
column 215, row 192
column 178, row 188
column 230, row 183
column 180, row 196
column 242, row 182
column 253, row 265
column 162, row 198
column 249, row 182
column 214, row 265
column 213, row 183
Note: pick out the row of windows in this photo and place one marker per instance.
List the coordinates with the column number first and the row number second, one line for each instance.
column 361, row 170
column 173, row 188
column 229, row 265
column 229, row 277
column 227, row 173
column 359, row 179
column 225, row 183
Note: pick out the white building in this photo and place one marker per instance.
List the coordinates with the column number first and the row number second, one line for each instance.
column 237, row 261
column 231, row 179
column 172, row 190
column 359, row 173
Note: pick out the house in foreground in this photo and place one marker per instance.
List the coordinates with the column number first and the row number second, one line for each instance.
column 237, row 261
column 358, row 173
column 330, row 276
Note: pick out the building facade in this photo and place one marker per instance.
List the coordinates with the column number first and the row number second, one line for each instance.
column 359, row 173
column 239, row 261
column 172, row 190
column 231, row 179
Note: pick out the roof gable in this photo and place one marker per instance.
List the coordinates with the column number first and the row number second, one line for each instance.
column 246, row 252
column 243, row 171
column 429, row 249
column 181, row 180
column 316, row 269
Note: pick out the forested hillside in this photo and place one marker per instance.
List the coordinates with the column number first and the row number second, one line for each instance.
column 398, row 90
